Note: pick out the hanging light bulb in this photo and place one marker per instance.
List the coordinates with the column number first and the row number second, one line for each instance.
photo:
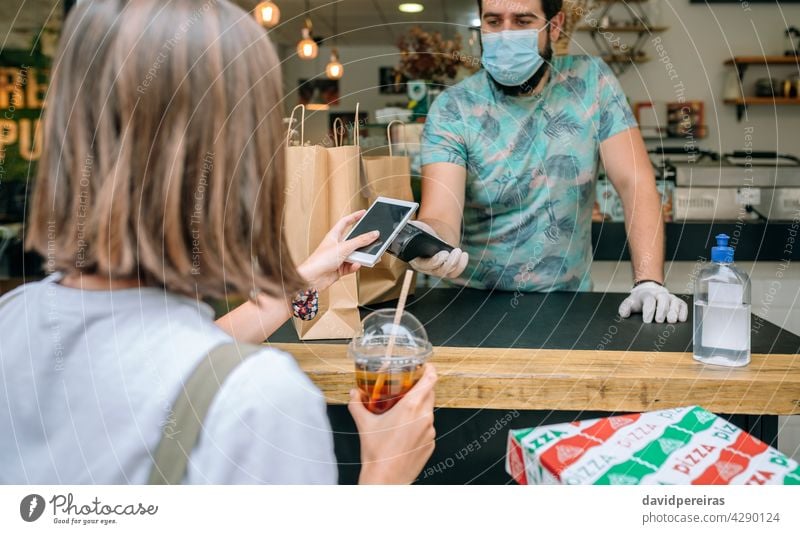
column 267, row 14
column 307, row 48
column 334, row 70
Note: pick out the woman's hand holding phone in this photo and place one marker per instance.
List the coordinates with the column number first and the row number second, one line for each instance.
column 329, row 261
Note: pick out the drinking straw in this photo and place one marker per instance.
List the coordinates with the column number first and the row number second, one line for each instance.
column 398, row 313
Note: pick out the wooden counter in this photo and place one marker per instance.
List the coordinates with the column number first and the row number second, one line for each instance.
column 570, row 351
column 509, row 361
column 540, row 379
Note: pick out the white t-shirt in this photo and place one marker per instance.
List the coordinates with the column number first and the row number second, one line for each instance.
column 88, row 378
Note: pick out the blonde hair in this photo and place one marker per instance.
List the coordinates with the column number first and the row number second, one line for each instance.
column 162, row 157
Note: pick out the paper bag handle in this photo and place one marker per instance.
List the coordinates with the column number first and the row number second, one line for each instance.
column 302, row 125
column 389, row 133
column 357, row 127
column 338, row 132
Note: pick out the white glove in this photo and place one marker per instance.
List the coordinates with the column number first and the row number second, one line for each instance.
column 443, row 264
column 656, row 301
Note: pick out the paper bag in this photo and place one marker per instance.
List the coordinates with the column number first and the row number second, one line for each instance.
column 322, row 187
column 306, row 206
column 385, row 176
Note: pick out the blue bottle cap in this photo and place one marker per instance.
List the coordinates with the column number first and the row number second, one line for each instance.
column 722, row 253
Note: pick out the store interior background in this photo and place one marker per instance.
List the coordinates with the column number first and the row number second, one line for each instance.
column 699, row 39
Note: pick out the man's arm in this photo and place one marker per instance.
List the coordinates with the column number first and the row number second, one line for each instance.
column 442, row 206
column 631, row 173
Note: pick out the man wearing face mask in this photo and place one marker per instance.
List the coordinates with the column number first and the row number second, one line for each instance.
column 510, row 155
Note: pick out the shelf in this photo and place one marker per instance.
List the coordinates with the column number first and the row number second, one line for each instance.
column 623, row 29
column 741, row 64
column 384, row 126
column 635, row 25
column 626, row 59
column 763, row 100
column 742, row 103
column 764, row 60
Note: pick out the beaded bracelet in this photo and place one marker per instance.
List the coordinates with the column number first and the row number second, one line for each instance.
column 306, row 304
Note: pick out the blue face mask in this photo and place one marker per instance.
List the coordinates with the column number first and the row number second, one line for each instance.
column 511, row 57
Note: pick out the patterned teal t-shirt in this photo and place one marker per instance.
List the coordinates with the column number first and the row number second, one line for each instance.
column 531, row 166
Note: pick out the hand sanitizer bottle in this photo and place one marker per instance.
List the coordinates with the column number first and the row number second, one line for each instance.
column 722, row 310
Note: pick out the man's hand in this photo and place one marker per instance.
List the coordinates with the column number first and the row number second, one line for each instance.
column 654, row 301
column 442, row 265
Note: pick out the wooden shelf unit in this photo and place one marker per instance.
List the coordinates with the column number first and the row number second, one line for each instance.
column 742, row 63
column 625, row 59
column 764, row 60
column 620, row 56
column 623, row 29
column 763, row 101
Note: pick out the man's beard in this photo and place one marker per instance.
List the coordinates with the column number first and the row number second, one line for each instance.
column 533, row 81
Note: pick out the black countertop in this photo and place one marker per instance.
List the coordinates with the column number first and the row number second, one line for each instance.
column 580, row 321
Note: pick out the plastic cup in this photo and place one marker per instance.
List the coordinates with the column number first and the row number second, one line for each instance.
column 384, row 378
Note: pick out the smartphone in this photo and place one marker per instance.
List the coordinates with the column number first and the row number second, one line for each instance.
column 388, row 216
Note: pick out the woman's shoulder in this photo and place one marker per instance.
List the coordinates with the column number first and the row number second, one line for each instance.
column 267, row 424
column 27, row 289
column 266, row 380
column 274, row 373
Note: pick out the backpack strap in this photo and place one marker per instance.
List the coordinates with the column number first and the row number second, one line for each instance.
column 181, row 432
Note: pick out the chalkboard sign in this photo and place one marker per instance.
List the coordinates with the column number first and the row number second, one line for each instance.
column 24, row 77
column 22, row 91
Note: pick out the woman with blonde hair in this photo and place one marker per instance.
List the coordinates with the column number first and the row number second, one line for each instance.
column 161, row 184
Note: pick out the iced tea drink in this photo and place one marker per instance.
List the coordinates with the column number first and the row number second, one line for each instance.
column 381, row 377
column 391, row 383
